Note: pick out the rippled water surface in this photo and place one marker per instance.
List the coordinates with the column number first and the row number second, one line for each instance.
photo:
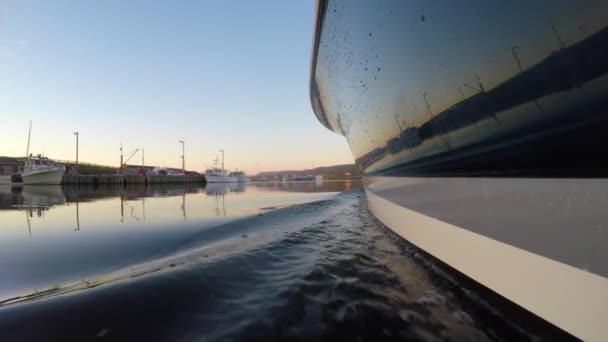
column 273, row 261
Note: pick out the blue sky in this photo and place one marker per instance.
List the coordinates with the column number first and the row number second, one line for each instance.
column 227, row 74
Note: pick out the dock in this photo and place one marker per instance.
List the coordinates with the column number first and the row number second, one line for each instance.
column 119, row 179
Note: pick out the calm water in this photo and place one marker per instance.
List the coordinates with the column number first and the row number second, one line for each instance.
column 272, row 261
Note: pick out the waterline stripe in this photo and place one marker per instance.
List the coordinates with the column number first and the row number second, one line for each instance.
column 570, row 298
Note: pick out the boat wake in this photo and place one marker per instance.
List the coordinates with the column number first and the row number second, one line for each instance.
column 316, row 271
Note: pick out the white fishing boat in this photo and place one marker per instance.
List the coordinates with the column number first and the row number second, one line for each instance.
column 216, row 175
column 39, row 170
column 219, row 175
column 241, row 177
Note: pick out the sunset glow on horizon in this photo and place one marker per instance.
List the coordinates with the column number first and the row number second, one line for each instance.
column 231, row 76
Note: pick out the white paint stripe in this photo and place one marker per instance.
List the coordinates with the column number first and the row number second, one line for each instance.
column 572, row 299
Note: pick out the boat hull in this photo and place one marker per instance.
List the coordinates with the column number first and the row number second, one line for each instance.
column 50, row 176
column 220, row 179
column 480, row 132
column 513, row 97
column 535, row 242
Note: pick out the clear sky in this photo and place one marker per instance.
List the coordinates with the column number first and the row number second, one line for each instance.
column 217, row 74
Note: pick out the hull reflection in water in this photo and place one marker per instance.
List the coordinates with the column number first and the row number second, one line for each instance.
column 450, row 108
column 31, row 196
column 224, row 188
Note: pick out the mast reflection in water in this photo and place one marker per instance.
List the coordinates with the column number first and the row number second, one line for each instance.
column 53, row 235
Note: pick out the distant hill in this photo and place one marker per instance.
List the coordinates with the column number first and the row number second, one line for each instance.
column 336, row 171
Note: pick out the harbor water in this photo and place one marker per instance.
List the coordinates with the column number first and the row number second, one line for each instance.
column 258, row 261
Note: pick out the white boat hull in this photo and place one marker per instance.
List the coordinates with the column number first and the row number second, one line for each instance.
column 220, row 179
column 5, row 180
column 43, row 176
column 507, row 184
column 482, row 227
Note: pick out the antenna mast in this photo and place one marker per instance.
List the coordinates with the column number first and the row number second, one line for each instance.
column 27, row 152
column 222, row 159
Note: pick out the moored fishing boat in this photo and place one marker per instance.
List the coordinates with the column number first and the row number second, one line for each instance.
column 41, row 170
column 216, row 175
column 240, row 176
column 219, row 174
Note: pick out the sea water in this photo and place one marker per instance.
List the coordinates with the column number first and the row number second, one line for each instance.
column 255, row 261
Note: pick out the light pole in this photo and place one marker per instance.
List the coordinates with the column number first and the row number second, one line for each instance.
column 76, row 168
column 183, row 157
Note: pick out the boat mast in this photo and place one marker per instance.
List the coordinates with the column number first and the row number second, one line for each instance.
column 222, row 159
column 27, row 152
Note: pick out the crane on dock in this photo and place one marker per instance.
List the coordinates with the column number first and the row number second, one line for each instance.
column 124, row 164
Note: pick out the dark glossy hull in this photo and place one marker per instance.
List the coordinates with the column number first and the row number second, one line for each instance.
column 487, row 120
column 444, row 89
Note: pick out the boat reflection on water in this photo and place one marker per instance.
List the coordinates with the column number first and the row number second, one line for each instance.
column 75, row 206
column 40, row 197
column 9, row 196
column 131, row 192
column 308, row 186
column 219, row 192
column 61, row 235
column 215, row 189
column 34, row 200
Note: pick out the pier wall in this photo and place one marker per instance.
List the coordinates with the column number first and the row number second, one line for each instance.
column 129, row 179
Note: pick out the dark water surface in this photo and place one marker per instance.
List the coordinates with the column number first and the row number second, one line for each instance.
column 282, row 261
